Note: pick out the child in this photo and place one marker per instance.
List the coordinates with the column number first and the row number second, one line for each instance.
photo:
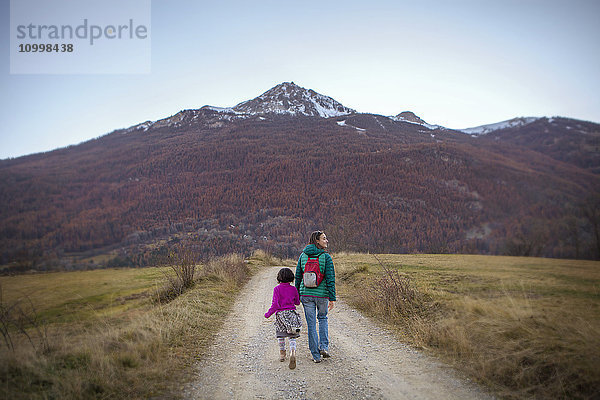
column 287, row 320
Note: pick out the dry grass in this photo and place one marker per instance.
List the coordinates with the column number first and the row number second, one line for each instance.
column 108, row 338
column 230, row 268
column 527, row 327
column 263, row 258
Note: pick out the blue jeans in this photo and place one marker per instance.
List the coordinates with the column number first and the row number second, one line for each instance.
column 315, row 308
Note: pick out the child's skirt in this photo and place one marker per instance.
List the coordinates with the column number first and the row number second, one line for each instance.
column 287, row 324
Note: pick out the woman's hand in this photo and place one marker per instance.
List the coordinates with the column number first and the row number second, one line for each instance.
column 330, row 306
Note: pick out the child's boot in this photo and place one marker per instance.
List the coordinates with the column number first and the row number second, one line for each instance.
column 282, row 355
column 292, row 359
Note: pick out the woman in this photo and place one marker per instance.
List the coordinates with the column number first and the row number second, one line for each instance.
column 317, row 301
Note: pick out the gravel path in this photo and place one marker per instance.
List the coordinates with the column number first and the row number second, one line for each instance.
column 366, row 361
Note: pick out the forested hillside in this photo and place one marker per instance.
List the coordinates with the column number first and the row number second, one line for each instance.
column 221, row 183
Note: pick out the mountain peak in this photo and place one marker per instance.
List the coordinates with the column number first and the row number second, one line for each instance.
column 411, row 117
column 289, row 98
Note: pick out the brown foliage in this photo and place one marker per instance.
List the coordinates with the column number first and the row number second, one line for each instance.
column 250, row 185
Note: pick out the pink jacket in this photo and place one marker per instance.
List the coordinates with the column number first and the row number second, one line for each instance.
column 285, row 297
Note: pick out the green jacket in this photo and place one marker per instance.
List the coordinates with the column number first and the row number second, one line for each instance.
column 327, row 286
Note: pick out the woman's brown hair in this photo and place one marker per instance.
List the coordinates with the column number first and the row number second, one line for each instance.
column 314, row 237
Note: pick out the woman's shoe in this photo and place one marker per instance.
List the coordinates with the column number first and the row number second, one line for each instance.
column 317, row 360
column 325, row 353
column 292, row 359
column 282, row 355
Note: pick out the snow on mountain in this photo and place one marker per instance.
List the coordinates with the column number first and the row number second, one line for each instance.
column 511, row 123
column 343, row 123
column 289, row 98
column 143, row 126
column 410, row 117
column 227, row 110
column 186, row 117
column 285, row 98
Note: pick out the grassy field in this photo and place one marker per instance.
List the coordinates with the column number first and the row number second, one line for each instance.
column 101, row 334
column 69, row 296
column 526, row 327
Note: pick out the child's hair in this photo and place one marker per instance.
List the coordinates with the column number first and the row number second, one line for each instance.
column 285, row 275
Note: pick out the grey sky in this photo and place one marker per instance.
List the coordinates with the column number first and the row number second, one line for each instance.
column 454, row 63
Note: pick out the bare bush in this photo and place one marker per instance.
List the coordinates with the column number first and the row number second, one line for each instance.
column 21, row 317
column 181, row 275
column 396, row 294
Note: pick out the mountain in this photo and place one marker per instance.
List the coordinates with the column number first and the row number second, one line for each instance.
column 286, row 98
column 289, row 98
column 266, row 172
column 568, row 140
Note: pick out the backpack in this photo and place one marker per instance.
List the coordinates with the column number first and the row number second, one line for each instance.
column 312, row 276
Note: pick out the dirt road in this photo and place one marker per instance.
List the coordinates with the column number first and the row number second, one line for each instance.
column 366, row 361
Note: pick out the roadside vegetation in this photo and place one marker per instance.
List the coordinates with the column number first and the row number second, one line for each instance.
column 525, row 327
column 113, row 333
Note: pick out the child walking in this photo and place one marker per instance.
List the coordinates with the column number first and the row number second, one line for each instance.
column 287, row 320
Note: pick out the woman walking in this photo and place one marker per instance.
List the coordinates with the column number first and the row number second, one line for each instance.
column 317, row 292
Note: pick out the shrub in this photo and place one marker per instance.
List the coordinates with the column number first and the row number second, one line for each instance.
column 181, row 276
column 395, row 295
